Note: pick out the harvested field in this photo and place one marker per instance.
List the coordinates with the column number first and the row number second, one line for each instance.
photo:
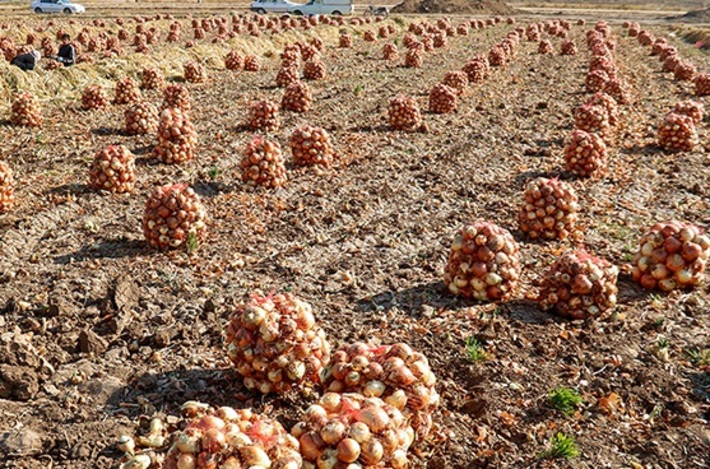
column 99, row 333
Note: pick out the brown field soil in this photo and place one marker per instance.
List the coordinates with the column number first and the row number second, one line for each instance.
column 490, row 7
column 99, row 333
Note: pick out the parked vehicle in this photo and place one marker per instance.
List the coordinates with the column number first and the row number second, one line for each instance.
column 271, row 6
column 323, row 7
column 380, row 11
column 56, row 6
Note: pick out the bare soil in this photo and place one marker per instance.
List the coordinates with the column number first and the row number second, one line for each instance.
column 98, row 333
column 488, row 7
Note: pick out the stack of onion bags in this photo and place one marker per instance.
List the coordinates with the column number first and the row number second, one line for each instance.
column 275, row 343
column 672, row 255
column 395, row 373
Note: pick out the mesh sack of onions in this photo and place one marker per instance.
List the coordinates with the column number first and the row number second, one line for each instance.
column 414, row 58
column 579, row 286
column 544, row 47
column 594, row 119
column 176, row 137
column 394, row 373
column 286, row 75
column 702, row 84
column 586, row 154
column 297, row 97
column 314, row 69
column 671, row 62
column 127, row 91
column 677, row 133
column 264, row 116
column 607, row 102
column 404, row 114
column 113, row 170
column 26, row 111
column 389, row 52
column 151, row 79
column 263, row 164
column 345, row 41
column 484, row 263
column 228, row 438
column 457, row 80
column 477, row 70
column 141, row 118
column 276, row 344
column 550, row 211
column 693, row 109
column 7, row 187
column 685, row 71
column 252, row 63
column 618, row 89
column 672, row 255
column 312, row 146
column 94, row 97
column 234, row 60
column 173, row 215
column 353, row 431
column 568, row 48
column 194, row 72
column 176, row 96
column 442, row 99
column 596, row 80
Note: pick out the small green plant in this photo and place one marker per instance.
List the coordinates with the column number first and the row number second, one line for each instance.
column 475, row 351
column 699, row 357
column 565, row 399
column 358, row 89
column 658, row 323
column 662, row 342
column 561, row 447
column 213, row 172
column 192, row 242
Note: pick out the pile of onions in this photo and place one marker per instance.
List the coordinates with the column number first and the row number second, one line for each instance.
column 276, row 344
column 127, row 91
column 579, row 286
column 141, row 118
column 685, row 71
column 593, row 119
column 672, row 255
column 484, row 263
column 286, row 75
column 586, row 154
column 151, row 79
column 263, row 164
column 173, row 215
column 26, row 111
column 457, row 80
column 550, row 210
column 113, row 170
column 677, row 133
column 693, row 109
column 234, row 60
column 176, row 137
column 176, row 96
column 394, row 373
column 314, row 69
column 353, row 431
column 389, row 52
column 414, row 58
column 94, row 97
column 442, row 99
column 264, row 116
column 497, row 56
column 568, row 48
column 312, row 146
column 369, row 36
column 7, row 187
column 252, row 63
column 618, row 89
column 702, row 84
column 404, row 114
column 545, row 47
column 297, row 97
column 595, row 80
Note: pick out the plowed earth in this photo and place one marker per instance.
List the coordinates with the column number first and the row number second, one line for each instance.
column 98, row 333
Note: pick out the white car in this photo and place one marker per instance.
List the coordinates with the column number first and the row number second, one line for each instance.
column 323, row 7
column 271, row 6
column 56, row 6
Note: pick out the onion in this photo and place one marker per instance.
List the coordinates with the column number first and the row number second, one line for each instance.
column 327, row 460
column 372, row 451
column 255, row 456
column 360, row 432
column 333, row 432
column 186, row 461
column 374, row 389
column 308, row 446
column 348, row 450
column 375, row 418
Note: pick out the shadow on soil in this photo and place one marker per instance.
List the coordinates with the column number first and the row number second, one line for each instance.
column 411, row 300
column 107, row 249
column 70, row 189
